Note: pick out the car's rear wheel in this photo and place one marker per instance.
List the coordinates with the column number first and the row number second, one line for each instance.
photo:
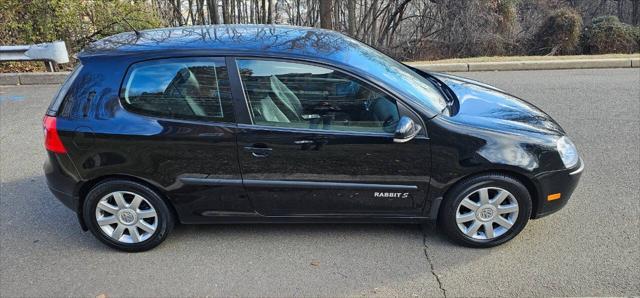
column 127, row 215
column 486, row 210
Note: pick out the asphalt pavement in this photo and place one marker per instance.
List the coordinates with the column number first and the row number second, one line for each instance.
column 589, row 248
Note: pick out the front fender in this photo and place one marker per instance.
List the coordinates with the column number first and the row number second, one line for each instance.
column 459, row 150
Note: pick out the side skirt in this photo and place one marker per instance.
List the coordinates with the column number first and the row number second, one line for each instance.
column 226, row 217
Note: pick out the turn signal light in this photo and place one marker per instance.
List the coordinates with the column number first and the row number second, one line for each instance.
column 52, row 140
column 554, row 196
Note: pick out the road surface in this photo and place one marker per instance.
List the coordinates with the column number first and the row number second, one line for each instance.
column 589, row 248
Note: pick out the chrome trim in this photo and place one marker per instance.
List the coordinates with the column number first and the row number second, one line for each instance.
column 314, row 131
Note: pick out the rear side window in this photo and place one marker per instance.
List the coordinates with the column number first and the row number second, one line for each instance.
column 62, row 92
column 184, row 88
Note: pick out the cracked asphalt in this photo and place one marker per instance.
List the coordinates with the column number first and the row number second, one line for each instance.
column 590, row 248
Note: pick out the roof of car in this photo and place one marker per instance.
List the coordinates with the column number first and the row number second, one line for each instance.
column 269, row 39
column 275, row 41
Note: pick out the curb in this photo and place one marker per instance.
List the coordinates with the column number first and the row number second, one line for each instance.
column 43, row 78
column 33, row 78
column 9, row 79
column 529, row 65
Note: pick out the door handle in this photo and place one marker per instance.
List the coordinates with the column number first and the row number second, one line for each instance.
column 258, row 150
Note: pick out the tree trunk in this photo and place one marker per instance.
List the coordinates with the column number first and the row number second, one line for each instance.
column 325, row 14
column 364, row 16
column 177, row 11
column 621, row 14
column 270, row 13
column 336, row 15
column 298, row 13
column 252, row 18
column 200, row 8
column 351, row 16
column 232, row 11
column 635, row 12
column 225, row 11
column 392, row 22
column 213, row 11
column 374, row 22
column 256, row 6
column 245, row 18
column 311, row 13
column 190, row 14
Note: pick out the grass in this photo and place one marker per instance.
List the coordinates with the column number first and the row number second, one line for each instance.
column 528, row 58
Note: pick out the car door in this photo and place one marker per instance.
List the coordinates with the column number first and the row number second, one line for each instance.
column 318, row 141
column 183, row 136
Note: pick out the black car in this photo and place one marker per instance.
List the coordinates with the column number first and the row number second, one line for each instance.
column 248, row 124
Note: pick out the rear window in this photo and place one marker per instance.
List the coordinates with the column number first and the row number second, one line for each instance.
column 184, row 88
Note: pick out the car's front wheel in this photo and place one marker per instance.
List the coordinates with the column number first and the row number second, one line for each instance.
column 485, row 210
column 127, row 215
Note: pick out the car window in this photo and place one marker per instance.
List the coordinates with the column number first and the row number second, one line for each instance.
column 189, row 88
column 288, row 94
column 62, row 92
column 423, row 91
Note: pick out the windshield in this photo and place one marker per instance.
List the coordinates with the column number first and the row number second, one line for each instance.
column 409, row 81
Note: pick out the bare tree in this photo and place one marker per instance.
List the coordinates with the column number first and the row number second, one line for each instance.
column 270, row 13
column 325, row 14
column 351, row 17
column 407, row 29
column 212, row 6
column 337, row 6
column 635, row 12
column 225, row 12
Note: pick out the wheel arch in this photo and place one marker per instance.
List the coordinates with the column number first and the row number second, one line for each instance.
column 526, row 181
column 85, row 188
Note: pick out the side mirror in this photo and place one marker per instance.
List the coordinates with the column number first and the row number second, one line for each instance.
column 406, row 130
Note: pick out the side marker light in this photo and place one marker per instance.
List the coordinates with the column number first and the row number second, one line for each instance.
column 554, row 196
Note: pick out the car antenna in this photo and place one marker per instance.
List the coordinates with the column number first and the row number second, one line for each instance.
column 132, row 28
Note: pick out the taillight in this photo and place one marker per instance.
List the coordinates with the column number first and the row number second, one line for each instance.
column 52, row 140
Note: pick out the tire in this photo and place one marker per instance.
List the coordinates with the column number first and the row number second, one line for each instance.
column 493, row 221
column 142, row 218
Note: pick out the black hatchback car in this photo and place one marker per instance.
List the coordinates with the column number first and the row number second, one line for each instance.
column 247, row 124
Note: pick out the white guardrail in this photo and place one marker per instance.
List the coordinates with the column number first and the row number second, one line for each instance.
column 52, row 53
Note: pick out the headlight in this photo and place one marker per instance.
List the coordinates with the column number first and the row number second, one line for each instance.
column 568, row 152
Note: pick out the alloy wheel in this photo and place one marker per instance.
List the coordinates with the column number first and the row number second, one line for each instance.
column 487, row 213
column 126, row 217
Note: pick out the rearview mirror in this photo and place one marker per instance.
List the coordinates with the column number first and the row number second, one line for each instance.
column 406, row 130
